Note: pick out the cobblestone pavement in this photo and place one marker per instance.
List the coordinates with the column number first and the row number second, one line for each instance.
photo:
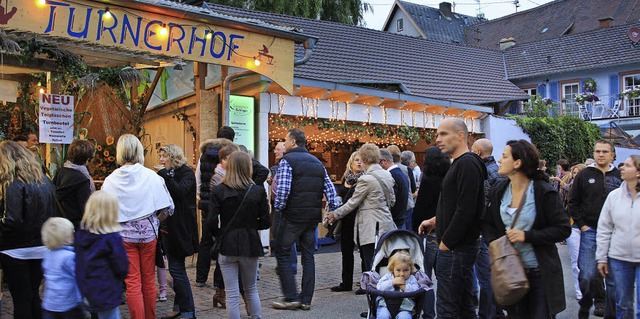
column 326, row 304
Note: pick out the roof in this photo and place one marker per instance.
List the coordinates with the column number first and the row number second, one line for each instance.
column 206, row 15
column 559, row 17
column 350, row 54
column 588, row 50
column 433, row 23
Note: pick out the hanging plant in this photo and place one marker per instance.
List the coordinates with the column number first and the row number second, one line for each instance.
column 590, row 85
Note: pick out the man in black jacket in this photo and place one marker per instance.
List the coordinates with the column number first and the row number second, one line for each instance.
column 400, row 188
column 589, row 191
column 301, row 182
column 460, row 208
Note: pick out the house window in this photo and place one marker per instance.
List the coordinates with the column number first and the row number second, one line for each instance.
column 521, row 107
column 569, row 92
column 399, row 25
column 633, row 105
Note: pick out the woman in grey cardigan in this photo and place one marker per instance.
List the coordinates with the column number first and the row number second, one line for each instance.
column 372, row 199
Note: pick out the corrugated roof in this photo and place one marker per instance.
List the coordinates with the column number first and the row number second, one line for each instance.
column 436, row 26
column 587, row 50
column 552, row 20
column 427, row 68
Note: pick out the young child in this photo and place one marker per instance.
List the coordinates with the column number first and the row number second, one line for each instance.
column 61, row 294
column 399, row 278
column 102, row 263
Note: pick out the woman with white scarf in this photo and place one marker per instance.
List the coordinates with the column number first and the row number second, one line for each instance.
column 142, row 196
column 73, row 182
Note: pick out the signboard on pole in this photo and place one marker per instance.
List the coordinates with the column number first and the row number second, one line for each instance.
column 55, row 118
column 241, row 119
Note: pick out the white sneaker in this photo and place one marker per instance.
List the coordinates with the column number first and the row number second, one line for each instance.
column 578, row 295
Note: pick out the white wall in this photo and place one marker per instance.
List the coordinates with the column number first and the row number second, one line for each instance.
column 500, row 130
column 622, row 153
column 408, row 27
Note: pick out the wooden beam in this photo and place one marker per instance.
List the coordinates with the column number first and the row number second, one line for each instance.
column 503, row 108
column 148, row 92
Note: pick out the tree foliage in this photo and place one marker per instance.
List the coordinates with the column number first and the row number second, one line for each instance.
column 344, row 11
column 566, row 137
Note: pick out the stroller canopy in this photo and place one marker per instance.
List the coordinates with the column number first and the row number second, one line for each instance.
column 398, row 239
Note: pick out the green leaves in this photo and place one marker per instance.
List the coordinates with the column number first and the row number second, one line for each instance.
column 566, row 137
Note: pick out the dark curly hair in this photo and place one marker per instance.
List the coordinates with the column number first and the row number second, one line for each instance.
column 435, row 162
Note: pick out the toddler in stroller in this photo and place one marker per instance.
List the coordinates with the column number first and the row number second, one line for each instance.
column 400, row 292
column 399, row 278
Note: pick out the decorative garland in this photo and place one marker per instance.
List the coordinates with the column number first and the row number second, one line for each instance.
column 383, row 131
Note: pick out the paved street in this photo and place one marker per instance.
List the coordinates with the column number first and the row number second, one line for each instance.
column 326, row 304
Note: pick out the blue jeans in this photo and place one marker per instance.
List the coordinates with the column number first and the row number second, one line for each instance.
column 247, row 267
column 429, row 305
column 277, row 219
column 487, row 307
column 590, row 282
column 183, row 300
column 626, row 275
column 383, row 313
column 454, row 271
column 110, row 314
column 288, row 234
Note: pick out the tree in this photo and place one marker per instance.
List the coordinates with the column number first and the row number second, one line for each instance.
column 344, row 11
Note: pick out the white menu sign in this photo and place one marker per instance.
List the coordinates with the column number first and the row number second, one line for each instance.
column 56, row 118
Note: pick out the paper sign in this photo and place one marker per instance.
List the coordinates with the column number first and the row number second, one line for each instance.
column 241, row 119
column 55, row 118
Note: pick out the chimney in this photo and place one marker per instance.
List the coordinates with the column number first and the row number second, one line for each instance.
column 445, row 9
column 506, row 44
column 605, row 22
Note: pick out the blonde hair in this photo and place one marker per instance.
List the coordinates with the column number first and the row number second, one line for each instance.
column 370, row 154
column 57, row 232
column 175, row 153
column 239, row 170
column 352, row 158
column 17, row 163
column 101, row 214
column 395, row 152
column 129, row 150
column 401, row 256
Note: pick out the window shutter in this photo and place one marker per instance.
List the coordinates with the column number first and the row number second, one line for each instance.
column 614, row 85
column 553, row 91
column 581, row 88
column 542, row 90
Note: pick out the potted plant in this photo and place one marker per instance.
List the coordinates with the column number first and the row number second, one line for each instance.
column 586, row 97
column 631, row 92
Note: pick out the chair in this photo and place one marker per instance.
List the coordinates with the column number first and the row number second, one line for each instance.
column 614, row 111
column 583, row 112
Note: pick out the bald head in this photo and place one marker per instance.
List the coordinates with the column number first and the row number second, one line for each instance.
column 482, row 147
column 452, row 137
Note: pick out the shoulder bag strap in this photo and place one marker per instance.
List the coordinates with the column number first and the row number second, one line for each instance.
column 522, row 200
column 387, row 195
column 224, row 232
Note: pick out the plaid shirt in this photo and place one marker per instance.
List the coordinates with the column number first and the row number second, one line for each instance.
column 284, row 178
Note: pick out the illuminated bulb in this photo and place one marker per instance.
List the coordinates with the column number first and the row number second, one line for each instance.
column 41, row 3
column 256, row 61
column 209, row 35
column 41, row 90
column 163, row 31
column 107, row 14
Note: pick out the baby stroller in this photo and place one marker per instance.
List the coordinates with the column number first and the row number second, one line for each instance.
column 389, row 243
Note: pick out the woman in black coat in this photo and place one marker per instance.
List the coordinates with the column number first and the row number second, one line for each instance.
column 541, row 224
column 27, row 200
column 345, row 191
column 179, row 232
column 243, row 209
column 73, row 182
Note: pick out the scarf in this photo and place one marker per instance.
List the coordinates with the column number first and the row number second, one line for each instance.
column 140, row 192
column 352, row 178
column 82, row 169
column 220, row 170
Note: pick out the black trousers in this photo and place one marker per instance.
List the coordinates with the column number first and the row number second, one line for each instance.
column 24, row 278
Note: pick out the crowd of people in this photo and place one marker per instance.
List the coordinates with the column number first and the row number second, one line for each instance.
column 96, row 249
